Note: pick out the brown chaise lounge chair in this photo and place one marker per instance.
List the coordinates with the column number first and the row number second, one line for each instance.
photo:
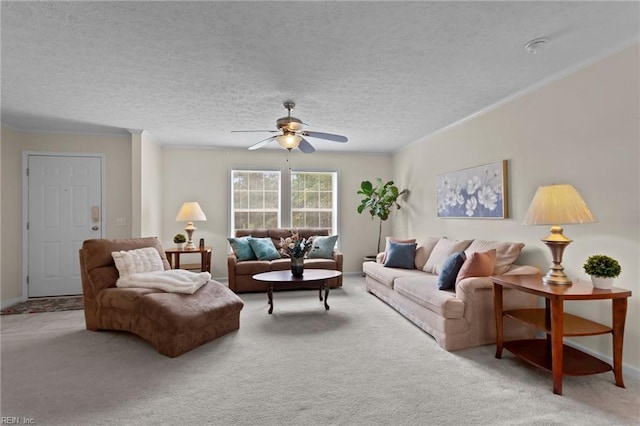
column 173, row 323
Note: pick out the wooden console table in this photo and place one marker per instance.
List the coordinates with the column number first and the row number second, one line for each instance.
column 173, row 256
column 550, row 353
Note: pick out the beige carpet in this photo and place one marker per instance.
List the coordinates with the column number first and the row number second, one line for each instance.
column 360, row 363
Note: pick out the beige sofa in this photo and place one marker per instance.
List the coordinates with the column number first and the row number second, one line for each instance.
column 458, row 318
column 241, row 272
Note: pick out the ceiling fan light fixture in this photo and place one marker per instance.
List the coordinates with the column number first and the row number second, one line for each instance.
column 289, row 140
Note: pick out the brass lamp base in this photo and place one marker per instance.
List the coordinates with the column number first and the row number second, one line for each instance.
column 556, row 242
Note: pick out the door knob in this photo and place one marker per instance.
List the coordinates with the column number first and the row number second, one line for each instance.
column 94, row 228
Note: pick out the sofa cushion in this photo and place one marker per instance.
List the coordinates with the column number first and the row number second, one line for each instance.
column 443, row 249
column 264, row 248
column 242, row 248
column 423, row 291
column 135, row 261
column 423, row 251
column 322, row 247
column 506, row 252
column 252, row 267
column 387, row 276
column 478, row 264
column 394, row 240
column 449, row 270
column 401, row 255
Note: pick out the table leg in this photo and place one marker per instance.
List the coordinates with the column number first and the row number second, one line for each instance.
column 270, row 296
column 326, row 294
column 619, row 313
column 557, row 327
column 497, row 303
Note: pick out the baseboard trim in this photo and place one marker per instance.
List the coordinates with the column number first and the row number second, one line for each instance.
column 627, row 370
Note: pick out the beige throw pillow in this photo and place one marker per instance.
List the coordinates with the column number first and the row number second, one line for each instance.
column 424, row 251
column 506, row 253
column 443, row 249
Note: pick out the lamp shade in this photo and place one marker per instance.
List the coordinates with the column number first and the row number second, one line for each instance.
column 189, row 212
column 289, row 140
column 557, row 205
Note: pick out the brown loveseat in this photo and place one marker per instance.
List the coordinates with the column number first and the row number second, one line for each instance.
column 241, row 272
column 173, row 323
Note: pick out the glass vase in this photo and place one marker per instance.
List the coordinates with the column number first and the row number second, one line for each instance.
column 297, row 266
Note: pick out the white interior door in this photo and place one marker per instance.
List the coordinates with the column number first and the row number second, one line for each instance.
column 64, row 209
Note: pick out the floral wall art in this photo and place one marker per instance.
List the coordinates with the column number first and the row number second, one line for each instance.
column 477, row 192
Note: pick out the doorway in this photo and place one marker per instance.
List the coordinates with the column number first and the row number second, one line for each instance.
column 62, row 207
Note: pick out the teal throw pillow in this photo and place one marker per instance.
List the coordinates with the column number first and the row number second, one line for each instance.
column 322, row 247
column 449, row 270
column 401, row 255
column 264, row 248
column 241, row 248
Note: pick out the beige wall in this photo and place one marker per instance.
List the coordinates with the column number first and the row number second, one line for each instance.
column 582, row 130
column 203, row 175
column 117, row 151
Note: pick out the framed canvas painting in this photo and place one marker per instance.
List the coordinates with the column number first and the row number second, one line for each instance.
column 477, row 192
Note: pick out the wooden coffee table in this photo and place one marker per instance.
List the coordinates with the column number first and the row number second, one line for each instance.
column 319, row 276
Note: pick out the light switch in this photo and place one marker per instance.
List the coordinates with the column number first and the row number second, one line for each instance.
column 121, row 221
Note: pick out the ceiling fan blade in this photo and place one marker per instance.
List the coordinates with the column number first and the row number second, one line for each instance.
column 306, row 147
column 262, row 143
column 327, row 136
column 252, row 131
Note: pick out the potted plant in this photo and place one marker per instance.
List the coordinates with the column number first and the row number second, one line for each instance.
column 603, row 269
column 179, row 239
column 379, row 200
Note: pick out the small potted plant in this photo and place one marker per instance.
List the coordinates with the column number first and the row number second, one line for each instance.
column 179, row 239
column 603, row 269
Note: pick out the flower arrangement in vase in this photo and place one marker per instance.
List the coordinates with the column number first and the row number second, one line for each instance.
column 296, row 248
column 603, row 269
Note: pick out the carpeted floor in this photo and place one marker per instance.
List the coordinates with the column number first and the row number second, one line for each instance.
column 360, row 363
column 45, row 304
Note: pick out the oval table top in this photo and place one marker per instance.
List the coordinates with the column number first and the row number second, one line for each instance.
column 308, row 276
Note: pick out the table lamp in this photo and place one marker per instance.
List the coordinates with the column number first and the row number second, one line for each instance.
column 189, row 212
column 556, row 205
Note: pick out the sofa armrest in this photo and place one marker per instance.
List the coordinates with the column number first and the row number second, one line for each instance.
column 522, row 270
column 339, row 259
column 232, row 261
column 468, row 286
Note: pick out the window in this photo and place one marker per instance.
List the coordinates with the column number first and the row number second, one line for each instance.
column 259, row 201
column 314, row 200
column 255, row 201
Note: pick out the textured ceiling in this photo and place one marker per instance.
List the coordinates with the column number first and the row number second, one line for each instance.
column 383, row 74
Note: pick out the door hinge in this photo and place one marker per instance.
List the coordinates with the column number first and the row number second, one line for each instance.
column 27, row 279
column 27, row 226
column 27, row 171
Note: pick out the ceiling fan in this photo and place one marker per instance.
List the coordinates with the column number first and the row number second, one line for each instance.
column 292, row 133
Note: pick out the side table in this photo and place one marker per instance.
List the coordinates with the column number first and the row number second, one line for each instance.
column 550, row 353
column 173, row 256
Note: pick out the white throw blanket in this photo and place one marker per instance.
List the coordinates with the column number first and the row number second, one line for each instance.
column 172, row 280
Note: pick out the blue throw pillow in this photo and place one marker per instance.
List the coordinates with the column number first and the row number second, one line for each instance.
column 401, row 255
column 241, row 248
column 449, row 270
column 264, row 248
column 322, row 247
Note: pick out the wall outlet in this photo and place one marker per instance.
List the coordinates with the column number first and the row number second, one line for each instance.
column 121, row 221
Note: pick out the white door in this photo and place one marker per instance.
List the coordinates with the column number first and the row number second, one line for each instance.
column 64, row 209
